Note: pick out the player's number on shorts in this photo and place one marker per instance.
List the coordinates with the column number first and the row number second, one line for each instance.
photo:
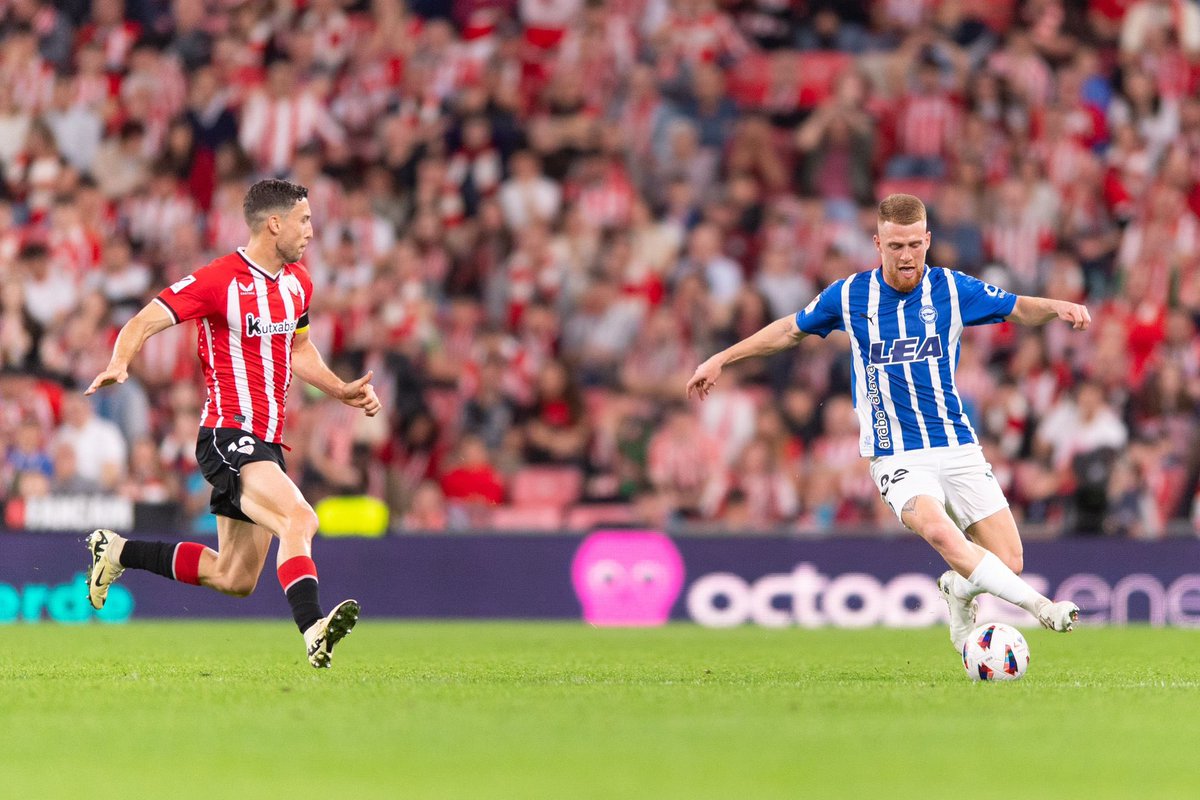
column 242, row 445
column 886, row 481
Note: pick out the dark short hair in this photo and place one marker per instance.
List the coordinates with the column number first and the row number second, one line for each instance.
column 269, row 197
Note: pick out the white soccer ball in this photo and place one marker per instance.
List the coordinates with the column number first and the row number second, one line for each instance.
column 995, row 652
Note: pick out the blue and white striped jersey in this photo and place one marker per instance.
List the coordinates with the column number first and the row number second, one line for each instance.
column 904, row 349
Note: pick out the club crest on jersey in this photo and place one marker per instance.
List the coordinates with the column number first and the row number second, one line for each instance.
column 260, row 327
column 903, row 351
column 928, row 314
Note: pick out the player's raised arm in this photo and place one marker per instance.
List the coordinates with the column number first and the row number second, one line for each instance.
column 779, row 335
column 147, row 322
column 308, row 365
column 1040, row 310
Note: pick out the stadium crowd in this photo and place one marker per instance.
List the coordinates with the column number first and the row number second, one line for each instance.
column 534, row 218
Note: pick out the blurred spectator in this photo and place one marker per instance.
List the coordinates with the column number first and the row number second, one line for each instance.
column 709, row 107
column 769, row 491
column 597, row 336
column 528, row 195
column 98, row 447
column 122, row 165
column 278, row 120
column 48, row 298
column 658, row 359
column 122, row 280
column 721, row 274
column 1145, row 17
column 1079, row 426
column 682, row 460
column 554, row 425
column 51, row 25
column 147, row 481
column 927, row 124
column 14, row 126
column 472, row 478
column 427, row 511
column 77, row 128
column 33, row 173
column 66, row 478
column 836, row 145
column 957, row 241
column 27, row 454
column 489, row 413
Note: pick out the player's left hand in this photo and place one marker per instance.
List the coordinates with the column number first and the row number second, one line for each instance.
column 704, row 379
column 1075, row 314
column 361, row 394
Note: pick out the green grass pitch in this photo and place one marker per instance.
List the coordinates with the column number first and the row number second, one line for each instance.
column 533, row 710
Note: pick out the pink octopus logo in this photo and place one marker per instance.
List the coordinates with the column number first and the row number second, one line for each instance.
column 627, row 578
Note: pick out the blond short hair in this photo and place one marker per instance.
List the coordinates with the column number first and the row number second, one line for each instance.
column 902, row 209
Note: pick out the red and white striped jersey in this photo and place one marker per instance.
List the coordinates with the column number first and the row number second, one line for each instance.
column 1019, row 244
column 272, row 129
column 246, row 319
column 704, row 38
column 928, row 124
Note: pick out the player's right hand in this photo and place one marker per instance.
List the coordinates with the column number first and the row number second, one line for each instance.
column 107, row 378
column 704, row 378
column 1077, row 315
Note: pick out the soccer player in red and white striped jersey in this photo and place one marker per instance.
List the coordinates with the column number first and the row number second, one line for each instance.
column 251, row 313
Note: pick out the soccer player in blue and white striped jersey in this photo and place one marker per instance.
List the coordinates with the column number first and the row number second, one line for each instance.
column 905, row 321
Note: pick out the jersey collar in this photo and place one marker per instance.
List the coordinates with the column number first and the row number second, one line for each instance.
column 241, row 251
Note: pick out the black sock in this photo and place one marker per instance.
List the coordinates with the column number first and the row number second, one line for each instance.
column 153, row 557
column 306, row 608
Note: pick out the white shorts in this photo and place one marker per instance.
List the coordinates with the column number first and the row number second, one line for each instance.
column 958, row 477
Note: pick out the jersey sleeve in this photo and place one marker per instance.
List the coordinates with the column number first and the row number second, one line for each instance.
column 195, row 296
column 824, row 314
column 306, row 291
column 981, row 303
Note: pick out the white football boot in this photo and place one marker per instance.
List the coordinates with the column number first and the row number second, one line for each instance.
column 323, row 634
column 104, row 570
column 962, row 611
column 1060, row 616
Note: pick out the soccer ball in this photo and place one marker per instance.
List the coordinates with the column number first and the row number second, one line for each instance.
column 995, row 652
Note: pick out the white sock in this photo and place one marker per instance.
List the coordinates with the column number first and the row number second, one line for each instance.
column 994, row 577
column 964, row 588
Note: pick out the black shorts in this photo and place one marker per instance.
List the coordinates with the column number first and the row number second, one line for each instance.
column 221, row 454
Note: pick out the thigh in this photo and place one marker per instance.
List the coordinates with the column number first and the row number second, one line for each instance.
column 242, row 547
column 899, row 479
column 972, row 493
column 269, row 497
column 223, row 455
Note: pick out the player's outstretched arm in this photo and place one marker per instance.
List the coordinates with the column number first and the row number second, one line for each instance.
column 779, row 335
column 1040, row 310
column 147, row 322
column 311, row 368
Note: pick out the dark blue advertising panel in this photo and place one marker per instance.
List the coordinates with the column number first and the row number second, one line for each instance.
column 627, row 578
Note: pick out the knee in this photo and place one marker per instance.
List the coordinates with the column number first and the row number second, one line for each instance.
column 1013, row 559
column 238, row 585
column 302, row 522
